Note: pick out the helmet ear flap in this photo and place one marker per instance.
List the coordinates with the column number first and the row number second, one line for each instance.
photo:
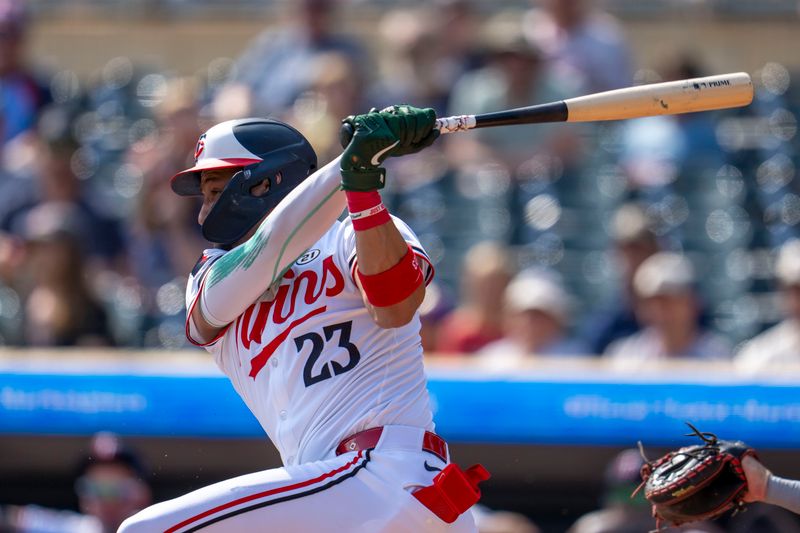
column 237, row 209
column 232, row 215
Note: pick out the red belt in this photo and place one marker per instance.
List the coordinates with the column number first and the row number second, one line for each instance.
column 368, row 439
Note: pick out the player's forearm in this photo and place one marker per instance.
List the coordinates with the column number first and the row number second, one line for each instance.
column 299, row 220
column 378, row 250
column 784, row 493
column 390, row 279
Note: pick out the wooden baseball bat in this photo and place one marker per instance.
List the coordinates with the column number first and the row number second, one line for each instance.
column 669, row 98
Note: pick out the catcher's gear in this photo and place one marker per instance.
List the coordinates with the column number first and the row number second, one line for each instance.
column 262, row 149
column 698, row 482
column 394, row 131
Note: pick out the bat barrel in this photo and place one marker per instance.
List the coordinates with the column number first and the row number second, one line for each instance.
column 669, row 98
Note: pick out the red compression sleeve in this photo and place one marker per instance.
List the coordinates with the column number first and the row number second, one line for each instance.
column 394, row 285
column 366, row 209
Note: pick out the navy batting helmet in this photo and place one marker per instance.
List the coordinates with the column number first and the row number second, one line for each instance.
column 262, row 149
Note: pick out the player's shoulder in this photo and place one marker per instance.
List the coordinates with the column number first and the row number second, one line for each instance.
column 199, row 272
column 208, row 257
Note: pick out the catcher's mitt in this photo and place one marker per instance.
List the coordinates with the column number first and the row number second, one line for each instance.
column 697, row 482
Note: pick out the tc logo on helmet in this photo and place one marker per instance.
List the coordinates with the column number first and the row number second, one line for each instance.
column 201, row 145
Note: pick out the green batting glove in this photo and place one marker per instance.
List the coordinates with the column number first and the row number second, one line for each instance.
column 372, row 142
column 395, row 131
column 415, row 127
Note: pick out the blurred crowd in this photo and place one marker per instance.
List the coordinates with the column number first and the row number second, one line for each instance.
column 111, row 483
column 662, row 237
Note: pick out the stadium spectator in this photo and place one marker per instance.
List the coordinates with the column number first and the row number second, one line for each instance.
column 164, row 239
column 491, row 521
column 577, row 36
column 278, row 65
column 538, row 314
column 406, row 68
column 59, row 308
column 699, row 130
column 22, row 94
column 669, row 308
column 478, row 318
column 111, row 483
column 781, row 343
column 53, row 179
column 37, row 519
column 634, row 241
column 458, row 53
column 435, row 306
column 417, row 65
column 619, row 513
column 334, row 92
column 515, row 75
column 657, row 151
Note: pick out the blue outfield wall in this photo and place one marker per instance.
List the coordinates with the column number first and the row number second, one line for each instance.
column 569, row 405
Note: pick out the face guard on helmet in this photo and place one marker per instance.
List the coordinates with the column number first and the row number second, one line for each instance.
column 262, row 149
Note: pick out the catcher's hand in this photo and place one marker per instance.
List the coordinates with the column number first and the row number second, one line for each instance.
column 699, row 482
column 757, row 478
column 394, row 131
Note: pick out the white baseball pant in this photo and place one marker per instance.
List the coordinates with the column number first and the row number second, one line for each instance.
column 367, row 491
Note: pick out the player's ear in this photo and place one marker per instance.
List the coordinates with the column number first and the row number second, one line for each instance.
column 263, row 188
column 260, row 189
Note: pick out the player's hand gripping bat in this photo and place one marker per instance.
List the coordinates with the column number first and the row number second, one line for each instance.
column 669, row 98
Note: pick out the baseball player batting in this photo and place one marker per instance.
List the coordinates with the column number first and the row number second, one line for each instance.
column 315, row 323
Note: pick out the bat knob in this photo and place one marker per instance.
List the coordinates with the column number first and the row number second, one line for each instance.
column 346, row 134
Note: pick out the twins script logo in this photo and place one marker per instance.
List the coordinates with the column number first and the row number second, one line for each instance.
column 308, row 285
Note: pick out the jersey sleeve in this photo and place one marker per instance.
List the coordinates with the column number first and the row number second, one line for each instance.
column 193, row 289
column 349, row 257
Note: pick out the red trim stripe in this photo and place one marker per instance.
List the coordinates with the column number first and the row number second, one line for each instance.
column 189, row 317
column 265, row 494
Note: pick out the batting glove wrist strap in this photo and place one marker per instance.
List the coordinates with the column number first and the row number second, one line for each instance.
column 366, row 209
column 363, row 179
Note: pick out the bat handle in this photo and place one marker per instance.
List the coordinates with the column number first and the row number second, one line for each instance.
column 346, row 134
column 444, row 125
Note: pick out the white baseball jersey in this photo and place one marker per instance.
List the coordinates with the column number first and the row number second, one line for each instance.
column 309, row 361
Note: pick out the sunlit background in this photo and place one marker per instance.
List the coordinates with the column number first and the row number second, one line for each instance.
column 102, row 101
column 719, row 186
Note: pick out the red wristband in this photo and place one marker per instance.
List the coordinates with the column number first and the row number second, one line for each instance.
column 366, row 209
column 394, row 285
